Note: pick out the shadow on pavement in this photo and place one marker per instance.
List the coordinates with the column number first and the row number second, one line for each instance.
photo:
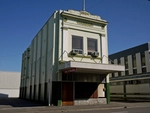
column 16, row 102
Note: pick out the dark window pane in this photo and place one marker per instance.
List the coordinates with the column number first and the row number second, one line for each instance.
column 92, row 45
column 126, row 72
column 126, row 63
column 143, row 59
column 143, row 70
column 134, row 60
column 77, row 42
column 134, row 71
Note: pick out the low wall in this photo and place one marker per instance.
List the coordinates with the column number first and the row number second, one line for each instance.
column 90, row 101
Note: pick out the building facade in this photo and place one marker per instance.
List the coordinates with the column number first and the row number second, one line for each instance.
column 67, row 61
column 134, row 82
column 9, row 84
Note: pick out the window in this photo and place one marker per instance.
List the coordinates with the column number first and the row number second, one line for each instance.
column 113, row 74
column 134, row 71
column 77, row 43
column 119, row 62
column 91, row 45
column 126, row 63
column 119, row 74
column 144, row 70
column 143, row 59
column 134, row 60
column 126, row 72
column 116, row 83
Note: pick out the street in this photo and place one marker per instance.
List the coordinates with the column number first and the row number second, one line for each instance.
column 15, row 105
column 47, row 110
column 127, row 110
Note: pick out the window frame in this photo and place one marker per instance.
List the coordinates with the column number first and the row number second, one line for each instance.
column 89, row 52
column 80, row 48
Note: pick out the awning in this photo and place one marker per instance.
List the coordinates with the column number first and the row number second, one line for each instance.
column 86, row 67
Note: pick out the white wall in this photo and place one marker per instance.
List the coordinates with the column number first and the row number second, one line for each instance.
column 9, row 93
column 9, row 84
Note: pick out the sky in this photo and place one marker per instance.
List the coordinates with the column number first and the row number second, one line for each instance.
column 20, row 20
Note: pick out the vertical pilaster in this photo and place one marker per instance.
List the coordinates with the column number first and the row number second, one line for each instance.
column 147, row 58
column 104, row 49
column 138, row 62
column 130, row 64
column 122, row 63
column 116, row 62
column 65, row 44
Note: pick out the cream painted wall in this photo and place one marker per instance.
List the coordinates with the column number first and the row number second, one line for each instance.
column 101, row 92
column 142, row 88
column 68, row 44
column 85, row 29
column 116, row 89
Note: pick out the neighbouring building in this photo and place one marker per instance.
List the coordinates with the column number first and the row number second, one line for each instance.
column 9, row 84
column 134, row 82
column 67, row 61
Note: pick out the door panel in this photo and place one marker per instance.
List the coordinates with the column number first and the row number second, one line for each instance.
column 67, row 93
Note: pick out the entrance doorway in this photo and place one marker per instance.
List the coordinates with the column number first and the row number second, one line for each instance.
column 86, row 90
column 67, row 93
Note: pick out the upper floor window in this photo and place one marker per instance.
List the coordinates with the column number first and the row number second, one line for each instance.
column 126, row 62
column 134, row 60
column 119, row 62
column 143, row 59
column 77, row 43
column 91, row 45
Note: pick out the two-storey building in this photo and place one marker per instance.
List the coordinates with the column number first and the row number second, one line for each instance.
column 67, row 61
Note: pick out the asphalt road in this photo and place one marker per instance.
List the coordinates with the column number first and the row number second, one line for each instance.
column 45, row 110
column 127, row 110
column 23, row 106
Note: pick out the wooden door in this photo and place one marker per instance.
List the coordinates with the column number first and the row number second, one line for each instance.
column 67, row 93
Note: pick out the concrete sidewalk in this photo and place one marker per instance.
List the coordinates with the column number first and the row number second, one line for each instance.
column 55, row 109
column 112, row 105
column 24, row 106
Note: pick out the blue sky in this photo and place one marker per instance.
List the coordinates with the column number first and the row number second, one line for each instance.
column 20, row 20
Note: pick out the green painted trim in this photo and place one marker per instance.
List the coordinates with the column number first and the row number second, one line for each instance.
column 108, row 93
column 59, row 103
column 62, row 62
column 81, row 56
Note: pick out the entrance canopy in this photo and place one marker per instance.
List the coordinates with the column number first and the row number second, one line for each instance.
column 86, row 67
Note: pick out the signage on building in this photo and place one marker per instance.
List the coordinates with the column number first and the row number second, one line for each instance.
column 71, row 70
column 85, row 23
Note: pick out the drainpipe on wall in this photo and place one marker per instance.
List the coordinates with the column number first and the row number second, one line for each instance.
column 49, row 95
